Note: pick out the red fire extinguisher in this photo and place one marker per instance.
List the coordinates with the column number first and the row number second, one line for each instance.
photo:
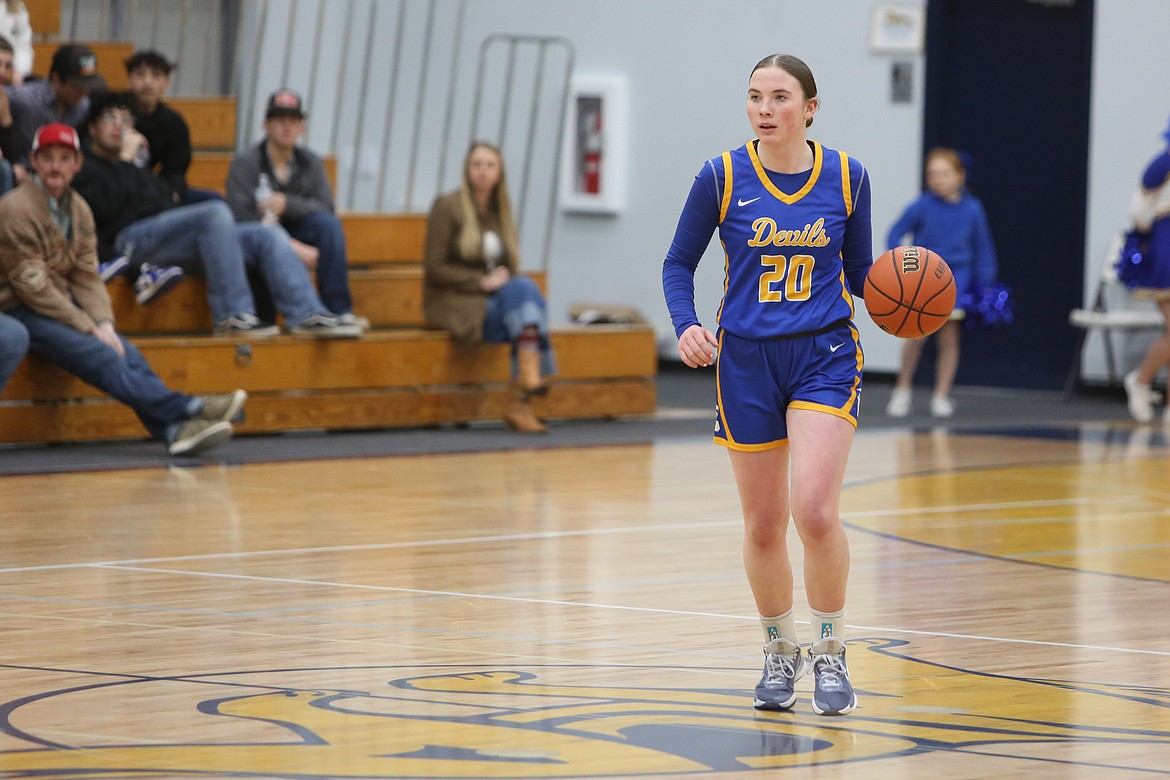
column 591, row 163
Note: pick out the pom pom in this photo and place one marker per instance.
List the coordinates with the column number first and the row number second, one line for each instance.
column 989, row 306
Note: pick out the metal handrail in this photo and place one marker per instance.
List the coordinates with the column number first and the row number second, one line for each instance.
column 238, row 71
column 543, row 44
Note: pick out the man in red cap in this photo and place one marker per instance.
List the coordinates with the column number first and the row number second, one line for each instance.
column 49, row 281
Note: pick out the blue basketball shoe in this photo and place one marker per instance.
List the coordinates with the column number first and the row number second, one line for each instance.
column 784, row 664
column 832, row 691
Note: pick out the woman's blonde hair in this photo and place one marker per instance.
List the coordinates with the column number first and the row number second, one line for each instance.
column 499, row 205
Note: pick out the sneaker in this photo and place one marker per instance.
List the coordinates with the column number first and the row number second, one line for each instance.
column 228, row 407
column 246, row 325
column 941, row 406
column 111, row 268
column 325, row 326
column 784, row 664
column 153, row 281
column 1140, row 397
column 349, row 318
column 899, row 405
column 832, row 691
column 196, row 435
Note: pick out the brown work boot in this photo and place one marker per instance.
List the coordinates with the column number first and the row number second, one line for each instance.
column 529, row 378
column 521, row 418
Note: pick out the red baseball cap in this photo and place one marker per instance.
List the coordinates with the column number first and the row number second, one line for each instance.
column 56, row 133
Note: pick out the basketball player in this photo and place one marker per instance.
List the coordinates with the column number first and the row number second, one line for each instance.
column 794, row 221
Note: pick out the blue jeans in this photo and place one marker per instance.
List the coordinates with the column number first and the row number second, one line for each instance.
column 128, row 379
column 322, row 229
column 512, row 308
column 7, row 177
column 198, row 196
column 269, row 256
column 200, row 237
column 203, row 237
column 13, row 346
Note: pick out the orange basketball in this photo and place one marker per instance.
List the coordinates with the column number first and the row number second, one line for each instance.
column 909, row 292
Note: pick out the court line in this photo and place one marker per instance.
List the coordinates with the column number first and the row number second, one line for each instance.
column 391, row 545
column 591, row 605
column 534, row 536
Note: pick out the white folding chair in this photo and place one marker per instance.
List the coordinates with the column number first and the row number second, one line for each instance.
column 1108, row 320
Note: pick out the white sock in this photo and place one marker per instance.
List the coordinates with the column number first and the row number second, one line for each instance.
column 828, row 624
column 780, row 627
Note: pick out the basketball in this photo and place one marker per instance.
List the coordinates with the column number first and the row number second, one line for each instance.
column 909, row 292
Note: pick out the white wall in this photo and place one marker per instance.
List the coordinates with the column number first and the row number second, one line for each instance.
column 1130, row 106
column 688, row 86
column 686, row 63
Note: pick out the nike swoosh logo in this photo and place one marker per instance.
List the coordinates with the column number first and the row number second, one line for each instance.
column 743, row 202
column 834, row 348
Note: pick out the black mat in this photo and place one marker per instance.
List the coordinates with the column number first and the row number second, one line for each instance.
column 685, row 411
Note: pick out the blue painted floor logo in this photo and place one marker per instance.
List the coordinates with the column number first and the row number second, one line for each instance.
column 551, row 721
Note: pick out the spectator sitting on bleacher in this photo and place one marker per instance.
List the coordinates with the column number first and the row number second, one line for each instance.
column 168, row 138
column 61, row 97
column 17, row 30
column 301, row 199
column 49, row 282
column 137, row 216
column 471, row 285
column 13, row 347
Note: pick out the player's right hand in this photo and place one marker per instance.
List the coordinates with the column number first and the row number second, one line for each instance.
column 697, row 346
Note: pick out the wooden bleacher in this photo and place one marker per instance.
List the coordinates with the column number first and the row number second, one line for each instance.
column 400, row 374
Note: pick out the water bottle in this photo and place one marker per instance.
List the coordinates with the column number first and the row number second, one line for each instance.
column 142, row 157
column 263, row 193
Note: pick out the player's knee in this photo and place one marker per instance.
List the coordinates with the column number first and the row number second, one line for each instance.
column 764, row 533
column 816, row 524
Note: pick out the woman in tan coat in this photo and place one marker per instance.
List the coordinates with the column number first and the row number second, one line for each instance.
column 471, row 287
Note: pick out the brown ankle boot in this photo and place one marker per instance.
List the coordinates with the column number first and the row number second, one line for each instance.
column 529, row 378
column 521, row 418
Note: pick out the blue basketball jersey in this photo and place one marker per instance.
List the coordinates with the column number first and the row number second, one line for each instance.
column 784, row 274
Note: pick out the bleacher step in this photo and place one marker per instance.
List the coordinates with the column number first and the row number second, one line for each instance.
column 211, row 119
column 389, row 296
column 386, row 379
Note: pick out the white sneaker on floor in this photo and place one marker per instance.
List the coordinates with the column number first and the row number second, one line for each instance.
column 1140, row 398
column 941, row 406
column 899, row 405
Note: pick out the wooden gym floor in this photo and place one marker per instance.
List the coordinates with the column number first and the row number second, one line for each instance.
column 582, row 612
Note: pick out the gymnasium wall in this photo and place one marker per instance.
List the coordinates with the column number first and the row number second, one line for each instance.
column 686, row 63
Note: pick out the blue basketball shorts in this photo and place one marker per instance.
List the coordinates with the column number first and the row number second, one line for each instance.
column 758, row 381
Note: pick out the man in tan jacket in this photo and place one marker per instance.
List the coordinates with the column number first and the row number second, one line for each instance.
column 49, row 281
